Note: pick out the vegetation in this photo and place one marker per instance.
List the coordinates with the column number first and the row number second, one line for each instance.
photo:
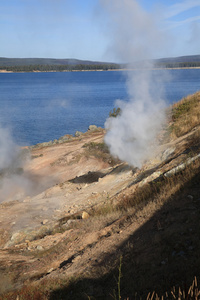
column 60, row 68
column 185, row 115
column 174, row 65
column 159, row 255
column 88, row 67
column 42, row 293
column 59, row 65
column 128, row 273
column 100, row 151
column 116, row 112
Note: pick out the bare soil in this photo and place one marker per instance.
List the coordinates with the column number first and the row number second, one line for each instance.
column 45, row 241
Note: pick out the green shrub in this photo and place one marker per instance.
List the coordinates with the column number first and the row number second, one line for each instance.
column 116, row 112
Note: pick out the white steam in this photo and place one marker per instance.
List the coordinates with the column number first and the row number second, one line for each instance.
column 16, row 181
column 135, row 37
column 13, row 183
column 8, row 149
column 131, row 136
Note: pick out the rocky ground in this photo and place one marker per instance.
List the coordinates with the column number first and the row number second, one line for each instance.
column 64, row 223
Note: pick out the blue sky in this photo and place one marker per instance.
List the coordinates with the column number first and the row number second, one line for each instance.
column 79, row 28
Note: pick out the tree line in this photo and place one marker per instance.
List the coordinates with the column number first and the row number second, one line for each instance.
column 60, row 68
column 173, row 65
column 91, row 67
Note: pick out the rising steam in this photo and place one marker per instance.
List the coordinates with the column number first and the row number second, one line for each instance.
column 13, row 183
column 8, row 149
column 135, row 37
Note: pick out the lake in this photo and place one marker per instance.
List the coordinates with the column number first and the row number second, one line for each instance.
column 39, row 107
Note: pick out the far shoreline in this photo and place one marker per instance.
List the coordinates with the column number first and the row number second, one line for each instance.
column 64, row 71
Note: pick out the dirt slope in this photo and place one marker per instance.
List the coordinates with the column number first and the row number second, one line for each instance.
column 45, row 239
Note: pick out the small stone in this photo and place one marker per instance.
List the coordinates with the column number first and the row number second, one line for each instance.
column 94, row 193
column 85, row 215
column 45, row 222
column 50, row 270
column 69, row 222
column 40, row 248
column 190, row 197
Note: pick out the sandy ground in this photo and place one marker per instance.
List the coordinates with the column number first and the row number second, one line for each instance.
column 62, row 183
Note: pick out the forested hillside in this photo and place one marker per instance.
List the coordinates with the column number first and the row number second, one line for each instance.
column 50, row 64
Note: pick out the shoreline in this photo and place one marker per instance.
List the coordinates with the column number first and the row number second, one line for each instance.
column 101, row 70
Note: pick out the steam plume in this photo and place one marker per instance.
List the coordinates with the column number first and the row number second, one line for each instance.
column 134, row 36
column 12, row 159
column 8, row 149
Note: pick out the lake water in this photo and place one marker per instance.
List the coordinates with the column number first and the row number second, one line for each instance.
column 39, row 107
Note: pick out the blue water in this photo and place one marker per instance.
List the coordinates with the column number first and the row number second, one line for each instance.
column 39, row 107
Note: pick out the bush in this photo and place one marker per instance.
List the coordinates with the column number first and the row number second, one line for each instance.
column 116, row 112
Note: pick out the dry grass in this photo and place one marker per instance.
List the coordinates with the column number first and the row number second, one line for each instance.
column 99, row 151
column 104, row 216
column 35, row 292
column 176, row 294
column 159, row 190
column 185, row 115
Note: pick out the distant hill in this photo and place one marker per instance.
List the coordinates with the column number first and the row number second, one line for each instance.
column 190, row 61
column 53, row 64
column 4, row 61
column 189, row 58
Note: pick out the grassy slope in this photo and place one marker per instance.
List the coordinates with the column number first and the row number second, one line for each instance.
column 164, row 250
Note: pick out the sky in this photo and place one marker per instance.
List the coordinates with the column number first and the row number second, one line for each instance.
column 81, row 28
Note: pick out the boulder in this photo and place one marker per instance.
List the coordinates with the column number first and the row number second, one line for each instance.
column 167, row 153
column 78, row 133
column 181, row 167
column 150, row 178
column 92, row 128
